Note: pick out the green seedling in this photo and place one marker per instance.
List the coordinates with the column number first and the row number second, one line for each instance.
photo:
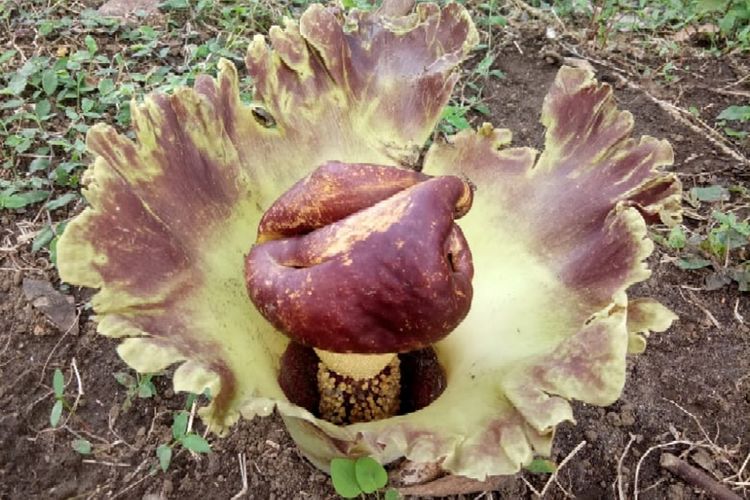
column 192, row 398
column 729, row 237
column 181, row 437
column 58, row 386
column 139, row 386
column 736, row 114
column 541, row 466
column 82, row 446
column 352, row 478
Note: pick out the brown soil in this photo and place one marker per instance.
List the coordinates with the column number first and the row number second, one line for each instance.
column 695, row 368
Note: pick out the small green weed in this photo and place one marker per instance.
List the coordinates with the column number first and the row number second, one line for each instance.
column 603, row 18
column 541, row 466
column 722, row 245
column 83, row 69
column 352, row 478
column 82, row 446
column 736, row 114
column 732, row 17
column 139, row 386
column 181, row 437
column 58, row 387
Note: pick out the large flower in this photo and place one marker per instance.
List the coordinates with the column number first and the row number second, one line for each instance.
column 555, row 242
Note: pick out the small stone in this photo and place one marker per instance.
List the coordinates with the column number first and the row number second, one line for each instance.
column 614, row 419
column 591, row 435
column 676, row 492
column 626, row 416
column 141, row 432
column 58, row 308
column 18, row 278
column 704, row 460
column 124, row 8
column 167, row 488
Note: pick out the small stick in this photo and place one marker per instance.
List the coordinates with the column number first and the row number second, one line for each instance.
column 192, row 416
column 243, row 474
column 696, row 478
column 531, row 486
column 620, row 491
column 562, row 464
column 102, row 462
column 737, row 314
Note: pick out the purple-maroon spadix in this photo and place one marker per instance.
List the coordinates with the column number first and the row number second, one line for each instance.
column 374, row 261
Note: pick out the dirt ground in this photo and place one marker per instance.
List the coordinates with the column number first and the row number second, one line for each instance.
column 694, row 378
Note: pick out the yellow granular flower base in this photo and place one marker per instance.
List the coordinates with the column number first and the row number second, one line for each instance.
column 344, row 400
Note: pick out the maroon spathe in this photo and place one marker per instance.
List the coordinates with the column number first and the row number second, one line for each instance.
column 366, row 259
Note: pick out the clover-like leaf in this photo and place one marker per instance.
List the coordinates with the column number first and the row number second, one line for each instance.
column 371, row 476
column 344, row 478
column 556, row 241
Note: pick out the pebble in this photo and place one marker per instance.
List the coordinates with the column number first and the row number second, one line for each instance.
column 18, row 278
column 614, row 419
column 626, row 416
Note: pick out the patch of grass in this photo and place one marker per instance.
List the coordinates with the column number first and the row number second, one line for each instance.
column 65, row 69
column 467, row 106
column 729, row 19
column 721, row 245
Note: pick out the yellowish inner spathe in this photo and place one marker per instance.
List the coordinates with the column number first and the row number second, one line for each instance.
column 356, row 366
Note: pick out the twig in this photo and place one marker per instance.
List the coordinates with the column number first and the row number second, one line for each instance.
column 735, row 93
column 620, row 492
column 694, row 300
column 243, row 474
column 695, row 419
column 559, row 467
column 736, row 311
column 130, row 478
column 658, row 447
column 734, row 84
column 192, row 416
column 78, row 376
column 531, row 487
column 744, row 464
column 102, row 462
column 54, row 348
column 647, row 453
column 696, row 478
